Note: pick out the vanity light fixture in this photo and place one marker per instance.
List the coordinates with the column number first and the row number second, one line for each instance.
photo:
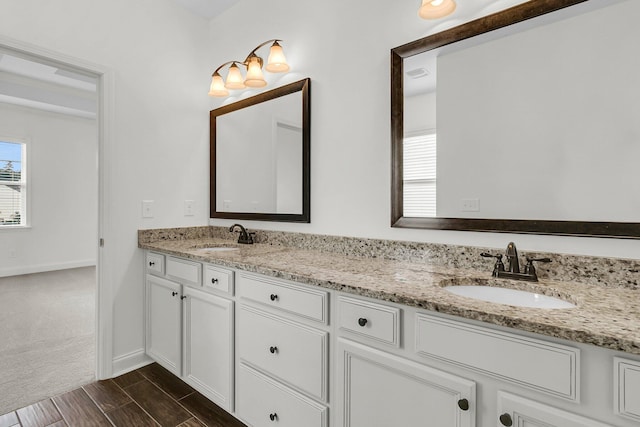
column 276, row 63
column 436, row 9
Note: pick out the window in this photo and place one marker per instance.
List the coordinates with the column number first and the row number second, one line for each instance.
column 419, row 181
column 13, row 184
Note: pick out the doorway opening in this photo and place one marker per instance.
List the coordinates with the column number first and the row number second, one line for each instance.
column 50, row 273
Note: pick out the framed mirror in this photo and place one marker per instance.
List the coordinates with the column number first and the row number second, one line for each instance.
column 532, row 120
column 260, row 156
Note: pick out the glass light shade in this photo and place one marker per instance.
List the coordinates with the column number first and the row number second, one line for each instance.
column 276, row 63
column 435, row 9
column 254, row 73
column 234, row 78
column 217, row 86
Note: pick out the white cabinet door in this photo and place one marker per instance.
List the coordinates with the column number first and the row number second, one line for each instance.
column 164, row 327
column 520, row 412
column 208, row 346
column 378, row 389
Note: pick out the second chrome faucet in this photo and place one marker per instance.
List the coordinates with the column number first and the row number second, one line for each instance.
column 512, row 271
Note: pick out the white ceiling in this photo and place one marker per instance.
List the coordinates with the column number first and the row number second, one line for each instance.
column 207, row 8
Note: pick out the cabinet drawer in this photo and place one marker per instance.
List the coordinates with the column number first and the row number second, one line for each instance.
column 518, row 411
column 289, row 351
column 308, row 303
column 540, row 365
column 262, row 401
column 186, row 272
column 375, row 321
column 155, row 263
column 219, row 279
column 626, row 388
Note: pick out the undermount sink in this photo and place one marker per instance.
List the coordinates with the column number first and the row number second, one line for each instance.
column 217, row 249
column 508, row 296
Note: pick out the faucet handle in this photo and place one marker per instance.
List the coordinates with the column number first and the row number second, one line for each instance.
column 488, row 255
column 499, row 266
column 530, row 269
column 532, row 260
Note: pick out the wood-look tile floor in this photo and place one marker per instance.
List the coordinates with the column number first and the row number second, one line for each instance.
column 149, row 396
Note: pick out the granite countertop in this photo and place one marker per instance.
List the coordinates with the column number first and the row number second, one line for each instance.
column 606, row 317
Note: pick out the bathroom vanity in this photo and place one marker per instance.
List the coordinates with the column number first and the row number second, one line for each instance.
column 281, row 335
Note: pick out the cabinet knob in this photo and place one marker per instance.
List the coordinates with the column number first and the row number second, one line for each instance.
column 273, row 349
column 151, row 263
column 173, row 294
column 273, row 297
column 362, row 321
column 463, row 404
column 214, row 280
column 506, row 420
column 273, row 416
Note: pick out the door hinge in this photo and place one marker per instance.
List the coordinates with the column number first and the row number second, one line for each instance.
column 101, row 242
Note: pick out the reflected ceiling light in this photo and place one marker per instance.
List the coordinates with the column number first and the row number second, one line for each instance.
column 276, row 63
column 435, row 9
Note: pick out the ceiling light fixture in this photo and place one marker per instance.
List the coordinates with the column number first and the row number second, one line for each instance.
column 276, row 63
column 435, row 9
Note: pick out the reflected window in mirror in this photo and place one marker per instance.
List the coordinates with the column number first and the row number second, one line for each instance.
column 420, row 186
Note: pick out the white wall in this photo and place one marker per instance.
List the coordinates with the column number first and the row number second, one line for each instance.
column 344, row 48
column 159, row 135
column 62, row 190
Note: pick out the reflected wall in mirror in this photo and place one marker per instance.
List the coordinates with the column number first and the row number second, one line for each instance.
column 531, row 114
column 260, row 156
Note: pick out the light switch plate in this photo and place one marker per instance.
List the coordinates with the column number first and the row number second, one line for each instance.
column 189, row 207
column 147, row 209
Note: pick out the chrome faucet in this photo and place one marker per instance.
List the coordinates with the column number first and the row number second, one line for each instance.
column 244, row 237
column 513, row 270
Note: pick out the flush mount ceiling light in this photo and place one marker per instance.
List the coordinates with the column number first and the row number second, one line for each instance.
column 276, row 63
column 435, row 9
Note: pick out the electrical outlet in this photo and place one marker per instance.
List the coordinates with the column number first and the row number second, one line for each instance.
column 147, row 209
column 189, row 208
column 470, row 205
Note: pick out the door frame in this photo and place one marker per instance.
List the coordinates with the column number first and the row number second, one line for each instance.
column 104, row 261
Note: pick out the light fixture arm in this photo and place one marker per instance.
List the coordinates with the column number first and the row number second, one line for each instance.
column 253, row 52
column 224, row 65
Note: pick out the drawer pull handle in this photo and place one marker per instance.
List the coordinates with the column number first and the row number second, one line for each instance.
column 173, row 294
column 463, row 404
column 506, row 420
column 362, row 321
column 151, row 263
column 273, row 297
column 273, row 416
column 273, row 349
column 183, row 297
column 214, row 280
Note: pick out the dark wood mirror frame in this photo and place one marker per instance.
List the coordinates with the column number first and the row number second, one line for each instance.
column 303, row 86
column 513, row 15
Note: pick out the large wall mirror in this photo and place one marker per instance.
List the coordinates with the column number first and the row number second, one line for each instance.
column 260, row 156
column 524, row 121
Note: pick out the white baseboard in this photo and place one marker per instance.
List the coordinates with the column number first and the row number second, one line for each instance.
column 40, row 268
column 130, row 362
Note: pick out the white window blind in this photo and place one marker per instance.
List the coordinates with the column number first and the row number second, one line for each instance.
column 419, row 164
column 13, row 184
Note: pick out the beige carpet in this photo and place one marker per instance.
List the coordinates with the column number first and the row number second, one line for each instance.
column 47, row 335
